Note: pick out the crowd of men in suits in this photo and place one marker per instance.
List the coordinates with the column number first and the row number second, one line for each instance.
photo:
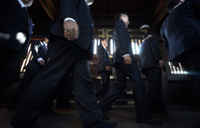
column 70, row 52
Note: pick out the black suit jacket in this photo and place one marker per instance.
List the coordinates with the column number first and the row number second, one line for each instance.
column 38, row 51
column 13, row 19
column 122, row 41
column 103, row 59
column 181, row 29
column 80, row 12
column 150, row 53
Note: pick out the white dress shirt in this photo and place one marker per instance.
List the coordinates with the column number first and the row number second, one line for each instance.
column 105, row 49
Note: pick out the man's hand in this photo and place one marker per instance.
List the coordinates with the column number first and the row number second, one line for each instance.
column 71, row 30
column 107, row 68
column 127, row 60
column 161, row 64
column 42, row 62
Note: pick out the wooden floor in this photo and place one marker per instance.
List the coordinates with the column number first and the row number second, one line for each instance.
column 178, row 117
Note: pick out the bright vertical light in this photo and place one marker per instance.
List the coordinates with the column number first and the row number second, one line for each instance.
column 181, row 68
column 171, row 69
column 29, row 47
column 114, row 47
column 25, row 62
column 98, row 42
column 133, row 46
column 178, row 70
column 28, row 58
column 174, row 69
column 139, row 41
column 111, row 47
column 95, row 47
column 137, row 48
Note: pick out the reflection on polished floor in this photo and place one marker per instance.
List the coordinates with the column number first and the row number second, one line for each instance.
column 178, row 117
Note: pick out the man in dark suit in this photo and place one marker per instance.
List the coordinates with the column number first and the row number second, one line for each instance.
column 151, row 64
column 71, row 39
column 104, row 67
column 13, row 19
column 126, row 65
column 180, row 33
column 40, row 54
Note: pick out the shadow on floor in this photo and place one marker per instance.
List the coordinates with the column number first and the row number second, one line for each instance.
column 178, row 117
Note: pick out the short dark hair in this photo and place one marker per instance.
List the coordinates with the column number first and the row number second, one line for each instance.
column 118, row 15
column 171, row 4
column 102, row 39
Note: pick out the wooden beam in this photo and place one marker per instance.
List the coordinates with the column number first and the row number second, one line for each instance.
column 159, row 13
column 50, row 7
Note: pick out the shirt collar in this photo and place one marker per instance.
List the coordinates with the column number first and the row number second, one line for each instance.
column 177, row 6
column 103, row 46
column 21, row 3
column 44, row 43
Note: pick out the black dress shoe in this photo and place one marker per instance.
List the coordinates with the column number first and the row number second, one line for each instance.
column 103, row 124
column 150, row 121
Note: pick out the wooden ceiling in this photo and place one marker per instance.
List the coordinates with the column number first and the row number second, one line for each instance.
column 151, row 12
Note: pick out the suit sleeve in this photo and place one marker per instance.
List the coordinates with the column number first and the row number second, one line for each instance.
column 155, row 49
column 68, row 9
column 166, row 45
column 11, row 43
column 34, row 49
column 196, row 5
column 48, row 48
column 121, row 31
column 2, row 4
column 106, row 59
column 101, row 57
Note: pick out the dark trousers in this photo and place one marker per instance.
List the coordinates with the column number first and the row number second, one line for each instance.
column 85, row 98
column 10, row 62
column 190, row 61
column 105, row 83
column 64, row 93
column 194, row 60
column 63, row 57
column 28, row 77
column 154, row 76
column 141, row 104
